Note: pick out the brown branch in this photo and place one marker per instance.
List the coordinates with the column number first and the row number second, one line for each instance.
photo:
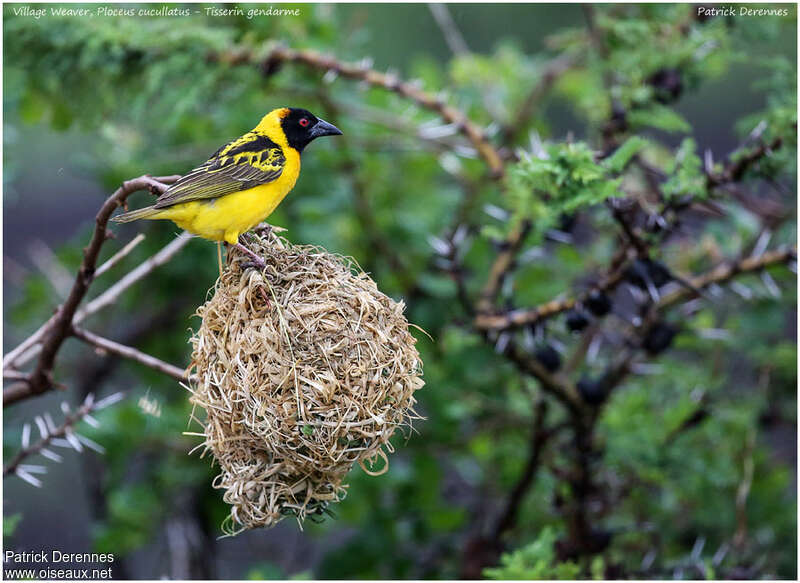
column 452, row 36
column 727, row 271
column 556, row 385
column 482, row 551
column 448, row 113
column 734, row 170
column 621, row 366
column 503, row 263
column 539, row 436
column 28, row 349
column 119, row 255
column 130, row 353
column 518, row 318
column 56, row 330
column 525, row 317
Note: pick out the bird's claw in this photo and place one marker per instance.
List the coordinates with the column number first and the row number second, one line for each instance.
column 252, row 264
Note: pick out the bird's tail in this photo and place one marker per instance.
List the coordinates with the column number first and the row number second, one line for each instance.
column 145, row 213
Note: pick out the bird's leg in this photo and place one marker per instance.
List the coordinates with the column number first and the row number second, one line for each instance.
column 256, row 260
column 219, row 257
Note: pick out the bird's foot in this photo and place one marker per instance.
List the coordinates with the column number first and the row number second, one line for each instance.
column 256, row 261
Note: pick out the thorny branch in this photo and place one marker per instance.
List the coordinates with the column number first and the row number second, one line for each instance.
column 129, row 353
column 59, row 327
column 362, row 72
column 50, row 434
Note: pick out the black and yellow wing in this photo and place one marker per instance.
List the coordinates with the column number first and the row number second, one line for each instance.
column 244, row 163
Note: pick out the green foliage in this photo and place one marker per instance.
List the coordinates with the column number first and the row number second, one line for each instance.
column 10, row 524
column 536, row 560
column 617, row 161
column 561, row 178
column 686, row 176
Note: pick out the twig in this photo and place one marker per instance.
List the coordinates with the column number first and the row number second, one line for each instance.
column 743, row 490
column 539, row 436
column 142, row 270
column 524, row 317
column 452, row 36
column 63, row 430
column 727, row 271
column 51, row 267
column 389, row 82
column 29, row 348
column 503, row 263
column 559, row 387
column 734, row 170
column 130, row 353
column 119, row 255
column 59, row 325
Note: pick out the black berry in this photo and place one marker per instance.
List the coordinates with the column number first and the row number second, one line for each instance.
column 659, row 337
column 576, row 320
column 667, row 84
column 548, row 357
column 598, row 303
column 566, row 222
column 592, row 391
column 642, row 270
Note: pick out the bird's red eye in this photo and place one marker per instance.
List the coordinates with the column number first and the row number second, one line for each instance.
column 304, row 122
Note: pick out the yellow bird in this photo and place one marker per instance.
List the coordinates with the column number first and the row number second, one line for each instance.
column 243, row 182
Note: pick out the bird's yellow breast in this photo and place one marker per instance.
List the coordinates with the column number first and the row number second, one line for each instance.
column 227, row 217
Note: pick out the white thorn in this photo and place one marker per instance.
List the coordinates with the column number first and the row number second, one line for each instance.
column 51, row 455
column 28, row 478
column 742, row 290
column 26, row 435
column 73, row 441
column 761, row 244
column 40, row 424
column 32, row 468
column 502, row 342
column 559, row 236
column 714, row 333
column 496, row 212
column 91, row 444
column 594, row 348
column 51, row 426
column 108, row 401
column 60, row 442
column 770, row 284
column 439, row 245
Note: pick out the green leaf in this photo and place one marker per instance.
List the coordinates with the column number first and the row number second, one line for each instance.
column 10, row 524
column 535, row 560
column 660, row 117
column 32, row 107
column 619, row 159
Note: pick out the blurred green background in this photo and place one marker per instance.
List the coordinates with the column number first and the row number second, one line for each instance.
column 89, row 102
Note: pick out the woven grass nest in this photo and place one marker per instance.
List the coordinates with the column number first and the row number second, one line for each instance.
column 304, row 369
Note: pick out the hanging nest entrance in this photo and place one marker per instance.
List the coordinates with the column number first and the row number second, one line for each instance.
column 304, row 369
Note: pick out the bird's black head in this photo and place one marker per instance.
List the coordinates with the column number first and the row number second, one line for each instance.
column 302, row 127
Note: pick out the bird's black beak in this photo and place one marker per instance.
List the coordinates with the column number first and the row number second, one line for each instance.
column 323, row 128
